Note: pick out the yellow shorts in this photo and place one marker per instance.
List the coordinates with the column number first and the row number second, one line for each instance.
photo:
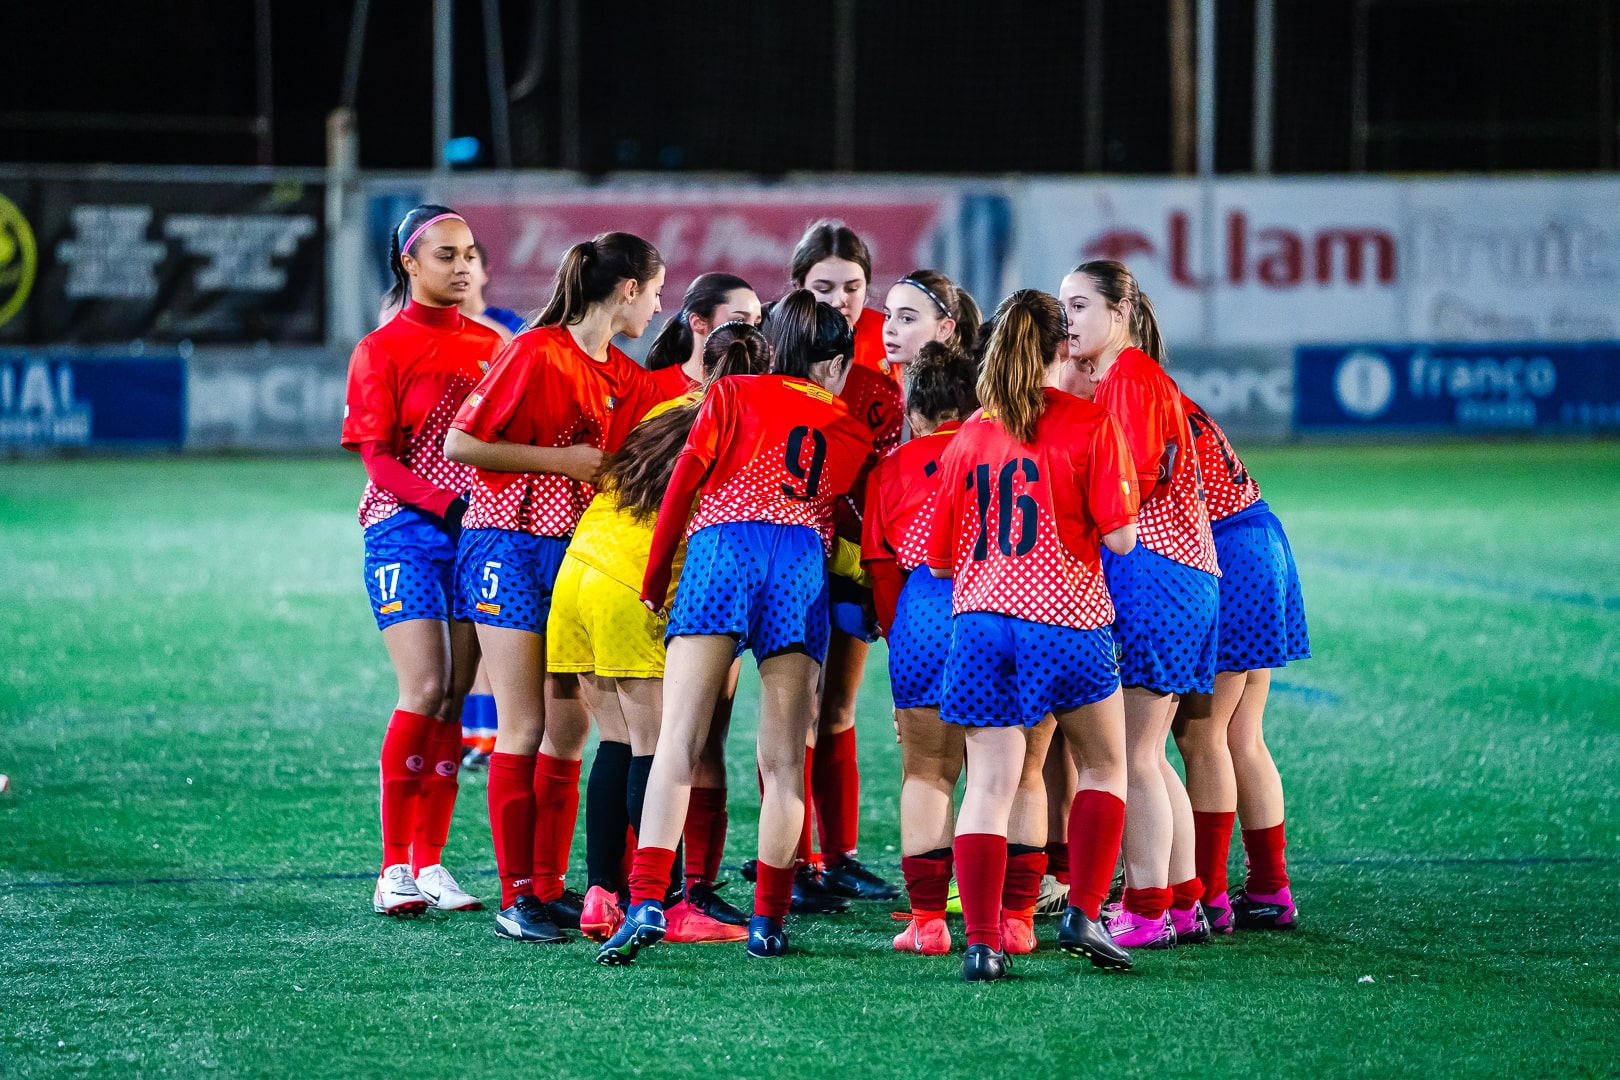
column 599, row 625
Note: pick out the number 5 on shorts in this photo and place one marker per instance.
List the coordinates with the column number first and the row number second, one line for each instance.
column 492, row 580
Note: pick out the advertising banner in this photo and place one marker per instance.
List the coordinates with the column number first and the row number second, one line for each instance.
column 1463, row 388
column 264, row 399
column 1249, row 392
column 92, row 260
column 54, row 400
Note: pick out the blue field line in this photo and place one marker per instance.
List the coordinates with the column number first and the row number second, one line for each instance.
column 1390, row 569
column 1354, row 860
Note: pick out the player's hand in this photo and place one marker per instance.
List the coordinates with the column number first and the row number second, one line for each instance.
column 582, row 463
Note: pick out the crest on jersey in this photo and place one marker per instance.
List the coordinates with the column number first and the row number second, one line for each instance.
column 608, row 401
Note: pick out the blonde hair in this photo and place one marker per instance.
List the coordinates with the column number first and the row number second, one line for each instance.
column 1027, row 331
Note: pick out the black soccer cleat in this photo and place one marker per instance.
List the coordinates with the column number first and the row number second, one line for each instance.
column 566, row 909
column 705, row 898
column 1081, row 935
column 811, row 897
column 847, row 877
column 766, row 937
column 528, row 920
column 981, row 963
column 750, row 870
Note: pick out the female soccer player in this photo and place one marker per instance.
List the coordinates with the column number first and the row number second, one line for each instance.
column 557, row 398
column 675, row 360
column 1260, row 626
column 834, row 264
column 406, row 380
column 600, row 630
column 1165, row 593
column 914, row 611
column 1029, row 487
column 770, row 453
column 926, row 306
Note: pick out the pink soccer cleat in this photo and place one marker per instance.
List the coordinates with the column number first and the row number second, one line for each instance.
column 1264, row 911
column 1133, row 931
column 601, row 914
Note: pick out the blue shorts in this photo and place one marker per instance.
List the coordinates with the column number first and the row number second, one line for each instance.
column 504, row 577
column 1262, row 612
column 1164, row 621
column 410, row 568
column 1005, row 672
column 920, row 640
column 763, row 584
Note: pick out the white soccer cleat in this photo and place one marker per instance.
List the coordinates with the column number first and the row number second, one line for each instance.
column 1054, row 896
column 442, row 891
column 396, row 893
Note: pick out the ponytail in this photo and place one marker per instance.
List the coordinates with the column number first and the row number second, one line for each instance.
column 592, row 269
column 403, row 242
column 735, row 348
column 1145, row 327
column 673, row 345
column 1027, row 331
column 804, row 332
column 1118, row 285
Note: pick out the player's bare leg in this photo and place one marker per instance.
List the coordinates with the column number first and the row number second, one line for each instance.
column 931, row 756
column 420, row 652
column 1097, row 739
column 835, row 775
column 1267, row 902
column 1026, row 844
column 1149, row 823
column 1201, row 728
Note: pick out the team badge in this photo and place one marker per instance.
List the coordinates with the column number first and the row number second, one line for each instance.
column 609, row 401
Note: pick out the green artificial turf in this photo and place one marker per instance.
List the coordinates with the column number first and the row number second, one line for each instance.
column 192, row 694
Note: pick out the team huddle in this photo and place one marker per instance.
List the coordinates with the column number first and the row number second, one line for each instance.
column 1068, row 560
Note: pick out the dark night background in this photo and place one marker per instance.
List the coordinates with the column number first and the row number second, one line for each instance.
column 948, row 86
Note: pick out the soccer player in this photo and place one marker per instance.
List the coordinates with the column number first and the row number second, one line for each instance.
column 833, row 263
column 926, row 306
column 556, row 399
column 914, row 611
column 770, row 454
column 1260, row 626
column 1165, row 592
column 675, row 360
column 600, row 630
column 503, row 321
column 1029, row 488
column 406, row 380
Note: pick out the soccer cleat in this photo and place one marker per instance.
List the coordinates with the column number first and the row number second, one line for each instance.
column 1256, row 911
column 475, row 758
column 600, row 914
column 981, row 963
column 750, row 870
column 1219, row 911
column 528, row 920
column 442, row 891
column 689, row 926
column 1133, row 931
column 1191, row 925
column 397, row 893
column 767, row 937
column 1081, row 935
column 705, row 898
column 953, row 899
column 848, row 877
column 1053, row 898
column 810, row 897
column 1018, row 932
column 925, row 933
column 566, row 909
column 643, row 927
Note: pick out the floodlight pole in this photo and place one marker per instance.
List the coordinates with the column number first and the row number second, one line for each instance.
column 443, row 71
column 1206, row 88
column 1265, row 84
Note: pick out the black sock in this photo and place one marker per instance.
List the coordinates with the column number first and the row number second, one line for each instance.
column 635, row 800
column 606, row 816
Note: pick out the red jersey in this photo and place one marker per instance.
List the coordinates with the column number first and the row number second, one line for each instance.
column 869, row 351
column 900, row 495
column 1020, row 525
column 672, row 382
column 1174, row 520
column 407, row 378
column 544, row 390
column 1228, row 487
column 777, row 449
column 875, row 400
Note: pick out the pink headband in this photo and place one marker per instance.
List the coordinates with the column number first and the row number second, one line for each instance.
column 406, row 246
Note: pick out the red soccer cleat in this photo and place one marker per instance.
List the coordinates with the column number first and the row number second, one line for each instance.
column 601, row 914
column 1018, row 932
column 689, row 926
column 925, row 933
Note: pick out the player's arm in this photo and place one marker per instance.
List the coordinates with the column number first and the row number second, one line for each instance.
column 887, row 579
column 1133, row 408
column 475, row 434
column 580, row 462
column 1112, row 494
column 691, row 469
column 941, row 556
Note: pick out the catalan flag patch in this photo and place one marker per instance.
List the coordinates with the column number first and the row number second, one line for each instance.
column 487, row 608
column 391, row 607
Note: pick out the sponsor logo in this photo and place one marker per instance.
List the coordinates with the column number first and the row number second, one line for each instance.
column 18, row 260
column 414, row 763
column 1364, row 384
column 391, row 607
column 487, row 608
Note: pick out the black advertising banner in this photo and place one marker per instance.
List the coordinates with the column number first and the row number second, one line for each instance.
column 89, row 260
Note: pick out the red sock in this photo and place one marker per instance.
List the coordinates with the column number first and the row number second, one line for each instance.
column 705, row 834
column 511, row 821
column 1184, row 894
column 836, row 784
column 1057, row 860
column 649, row 878
column 1022, row 885
column 556, row 808
column 404, row 759
column 1096, row 825
column 981, row 868
column 1268, row 868
column 806, row 852
column 928, row 880
column 1213, row 832
column 438, row 801
column 1148, row 903
column 773, row 890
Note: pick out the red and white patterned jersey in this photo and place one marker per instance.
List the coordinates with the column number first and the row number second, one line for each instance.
column 672, row 382
column 1020, row 525
column 900, row 497
column 544, row 390
column 875, row 400
column 869, row 351
column 1173, row 520
column 778, row 449
column 1228, row 487
column 407, row 378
